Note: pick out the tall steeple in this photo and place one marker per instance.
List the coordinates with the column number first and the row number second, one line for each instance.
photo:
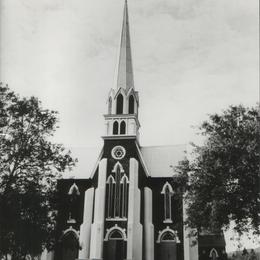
column 123, row 102
column 125, row 77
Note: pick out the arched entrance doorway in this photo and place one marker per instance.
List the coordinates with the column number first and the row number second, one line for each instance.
column 167, row 245
column 115, row 244
column 70, row 246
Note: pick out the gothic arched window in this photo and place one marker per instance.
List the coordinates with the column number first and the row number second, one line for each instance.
column 115, row 233
column 122, row 128
column 131, row 107
column 213, row 254
column 117, row 192
column 74, row 190
column 124, row 182
column 167, row 191
column 167, row 203
column 119, row 104
column 73, row 195
column 115, row 128
column 110, row 196
column 168, row 235
column 109, row 105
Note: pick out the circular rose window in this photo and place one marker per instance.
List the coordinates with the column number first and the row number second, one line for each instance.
column 118, row 152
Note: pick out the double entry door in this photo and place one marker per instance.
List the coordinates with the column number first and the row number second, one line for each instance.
column 115, row 250
column 167, row 251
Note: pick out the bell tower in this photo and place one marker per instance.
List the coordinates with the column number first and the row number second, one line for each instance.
column 122, row 112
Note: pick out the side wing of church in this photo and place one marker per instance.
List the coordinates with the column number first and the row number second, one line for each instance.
column 127, row 209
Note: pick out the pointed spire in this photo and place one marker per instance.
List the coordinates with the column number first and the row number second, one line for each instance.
column 125, row 77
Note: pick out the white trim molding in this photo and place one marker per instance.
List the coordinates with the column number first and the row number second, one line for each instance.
column 97, row 227
column 72, row 230
column 211, row 252
column 112, row 178
column 167, row 184
column 74, row 189
column 167, row 191
column 173, row 232
column 115, row 228
column 118, row 164
column 122, row 179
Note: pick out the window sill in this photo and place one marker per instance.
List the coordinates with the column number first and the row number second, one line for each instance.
column 116, row 219
column 168, row 221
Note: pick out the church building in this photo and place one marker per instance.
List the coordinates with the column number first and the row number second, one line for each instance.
column 128, row 209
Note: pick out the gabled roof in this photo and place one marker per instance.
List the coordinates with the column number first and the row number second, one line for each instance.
column 157, row 161
column 88, row 158
column 161, row 160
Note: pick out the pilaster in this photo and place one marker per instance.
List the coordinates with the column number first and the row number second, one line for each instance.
column 191, row 251
column 97, row 228
column 134, row 228
column 148, row 224
column 85, row 229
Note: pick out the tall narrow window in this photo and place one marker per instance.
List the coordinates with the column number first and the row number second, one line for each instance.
column 167, row 191
column 122, row 128
column 124, row 183
column 117, row 192
column 119, row 104
column 131, row 108
column 115, row 128
column 110, row 196
column 73, row 203
column 214, row 256
column 109, row 105
column 167, row 204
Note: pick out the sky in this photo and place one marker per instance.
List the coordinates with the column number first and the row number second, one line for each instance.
column 191, row 58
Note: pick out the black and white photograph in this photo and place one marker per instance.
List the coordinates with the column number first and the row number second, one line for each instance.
column 129, row 130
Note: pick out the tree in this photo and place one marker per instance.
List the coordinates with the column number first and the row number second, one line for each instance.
column 224, row 172
column 30, row 164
